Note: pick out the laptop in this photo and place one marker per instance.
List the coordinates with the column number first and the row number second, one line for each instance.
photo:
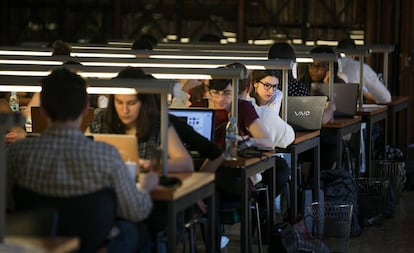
column 202, row 120
column 304, row 113
column 39, row 120
column 345, row 97
column 126, row 144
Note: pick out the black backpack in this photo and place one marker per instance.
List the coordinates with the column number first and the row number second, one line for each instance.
column 339, row 185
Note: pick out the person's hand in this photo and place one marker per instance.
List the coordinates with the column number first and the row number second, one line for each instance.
column 144, row 164
column 326, row 78
column 15, row 134
column 149, row 181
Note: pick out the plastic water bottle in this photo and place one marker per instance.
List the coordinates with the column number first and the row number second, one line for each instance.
column 14, row 101
column 231, row 139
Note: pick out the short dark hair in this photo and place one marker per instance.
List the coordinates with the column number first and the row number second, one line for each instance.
column 59, row 47
column 346, row 44
column 63, row 95
column 244, row 82
column 218, row 84
column 281, row 50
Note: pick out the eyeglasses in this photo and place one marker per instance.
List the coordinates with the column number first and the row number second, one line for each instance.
column 318, row 66
column 224, row 93
column 267, row 86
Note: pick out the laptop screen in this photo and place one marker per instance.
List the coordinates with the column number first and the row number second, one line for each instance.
column 202, row 120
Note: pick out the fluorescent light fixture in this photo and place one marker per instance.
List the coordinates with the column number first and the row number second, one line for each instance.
column 20, row 88
column 111, row 90
column 234, row 58
column 263, row 42
column 327, row 42
column 74, row 54
column 25, row 73
column 231, row 40
column 297, row 41
column 27, row 53
column 100, row 48
column 128, row 44
column 31, row 62
column 103, row 75
column 229, row 34
column 185, row 40
column 310, row 43
column 304, row 60
column 172, row 37
column 181, row 76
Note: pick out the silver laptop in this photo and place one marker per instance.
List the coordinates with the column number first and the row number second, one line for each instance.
column 304, row 113
column 345, row 97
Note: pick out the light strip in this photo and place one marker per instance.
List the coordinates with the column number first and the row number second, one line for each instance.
column 31, row 62
column 101, row 55
column 181, row 76
column 20, row 88
column 25, row 73
column 111, row 90
column 235, row 58
column 27, row 53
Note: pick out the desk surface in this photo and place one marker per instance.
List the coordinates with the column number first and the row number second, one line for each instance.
column 245, row 162
column 371, row 109
column 41, row 244
column 342, row 122
column 395, row 100
column 305, row 135
column 189, row 183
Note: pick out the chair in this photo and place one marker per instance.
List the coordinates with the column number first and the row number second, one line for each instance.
column 33, row 222
column 89, row 217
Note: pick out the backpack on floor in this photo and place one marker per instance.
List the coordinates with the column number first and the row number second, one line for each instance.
column 338, row 185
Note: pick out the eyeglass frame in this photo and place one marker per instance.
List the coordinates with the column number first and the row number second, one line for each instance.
column 268, row 86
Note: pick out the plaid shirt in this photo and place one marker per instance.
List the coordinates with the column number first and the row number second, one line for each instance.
column 63, row 162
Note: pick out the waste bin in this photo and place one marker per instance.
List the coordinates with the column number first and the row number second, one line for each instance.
column 332, row 224
column 394, row 172
column 371, row 199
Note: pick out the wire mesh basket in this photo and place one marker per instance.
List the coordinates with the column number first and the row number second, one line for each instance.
column 332, row 223
column 371, row 199
column 394, row 172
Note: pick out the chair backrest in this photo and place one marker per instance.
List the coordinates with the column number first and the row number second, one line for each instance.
column 33, row 222
column 89, row 217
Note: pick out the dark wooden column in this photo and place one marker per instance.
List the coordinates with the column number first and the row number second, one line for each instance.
column 241, row 23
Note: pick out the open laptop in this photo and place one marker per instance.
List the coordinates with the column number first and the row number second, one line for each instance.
column 304, row 113
column 345, row 97
column 202, row 120
column 39, row 120
column 126, row 144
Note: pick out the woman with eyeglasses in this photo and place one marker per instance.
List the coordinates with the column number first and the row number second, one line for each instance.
column 266, row 99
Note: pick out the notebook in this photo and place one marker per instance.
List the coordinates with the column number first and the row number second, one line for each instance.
column 345, row 97
column 305, row 112
column 126, row 144
column 202, row 120
column 39, row 120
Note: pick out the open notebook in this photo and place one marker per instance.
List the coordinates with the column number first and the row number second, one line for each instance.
column 305, row 112
column 39, row 120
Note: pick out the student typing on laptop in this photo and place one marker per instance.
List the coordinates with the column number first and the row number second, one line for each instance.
column 80, row 166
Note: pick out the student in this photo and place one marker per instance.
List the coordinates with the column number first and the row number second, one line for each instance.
column 63, row 150
column 374, row 89
column 139, row 114
column 263, row 97
column 15, row 133
column 284, row 51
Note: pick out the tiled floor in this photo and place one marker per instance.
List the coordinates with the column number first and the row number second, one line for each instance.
column 395, row 235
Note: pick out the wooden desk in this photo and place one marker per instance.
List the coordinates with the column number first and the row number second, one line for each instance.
column 250, row 167
column 339, row 128
column 303, row 141
column 195, row 186
column 39, row 244
column 398, row 105
column 372, row 114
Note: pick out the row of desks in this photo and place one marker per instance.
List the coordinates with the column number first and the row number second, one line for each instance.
column 199, row 185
